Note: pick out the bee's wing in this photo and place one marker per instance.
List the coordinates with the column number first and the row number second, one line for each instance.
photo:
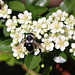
column 21, row 44
column 38, row 44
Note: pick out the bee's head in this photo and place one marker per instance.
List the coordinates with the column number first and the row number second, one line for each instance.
column 29, row 36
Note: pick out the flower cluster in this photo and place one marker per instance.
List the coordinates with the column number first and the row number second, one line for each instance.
column 11, row 23
column 40, row 27
column 60, row 31
column 56, row 31
column 24, row 17
column 4, row 11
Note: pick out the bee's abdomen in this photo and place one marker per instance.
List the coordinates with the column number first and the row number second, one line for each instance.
column 29, row 47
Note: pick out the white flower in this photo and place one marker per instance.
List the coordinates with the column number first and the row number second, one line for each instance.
column 15, row 41
column 41, row 26
column 17, row 35
column 74, row 35
column 36, row 52
column 73, row 45
column 27, row 27
column 47, row 44
column 61, row 43
column 4, row 11
column 21, row 55
column 11, row 24
column 45, row 35
column 50, row 48
column 56, row 26
column 72, row 50
column 59, row 15
column 70, row 21
column 44, row 25
column 59, row 59
column 15, row 54
column 50, row 19
column 39, row 36
column 23, row 18
column 12, row 44
column 74, row 53
column 19, row 51
column 67, row 31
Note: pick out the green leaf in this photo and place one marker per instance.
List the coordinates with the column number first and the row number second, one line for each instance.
column 32, row 61
column 73, row 57
column 5, row 31
column 29, row 2
column 7, row 1
column 37, row 69
column 43, row 3
column 73, row 13
column 51, row 11
column 36, row 10
column 4, row 56
column 16, row 6
column 5, row 45
column 11, row 61
column 67, row 5
column 1, row 24
column 63, row 55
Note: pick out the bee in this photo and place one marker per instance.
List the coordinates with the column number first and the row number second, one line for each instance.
column 30, row 43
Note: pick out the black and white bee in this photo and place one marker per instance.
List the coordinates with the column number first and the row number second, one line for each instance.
column 30, row 43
